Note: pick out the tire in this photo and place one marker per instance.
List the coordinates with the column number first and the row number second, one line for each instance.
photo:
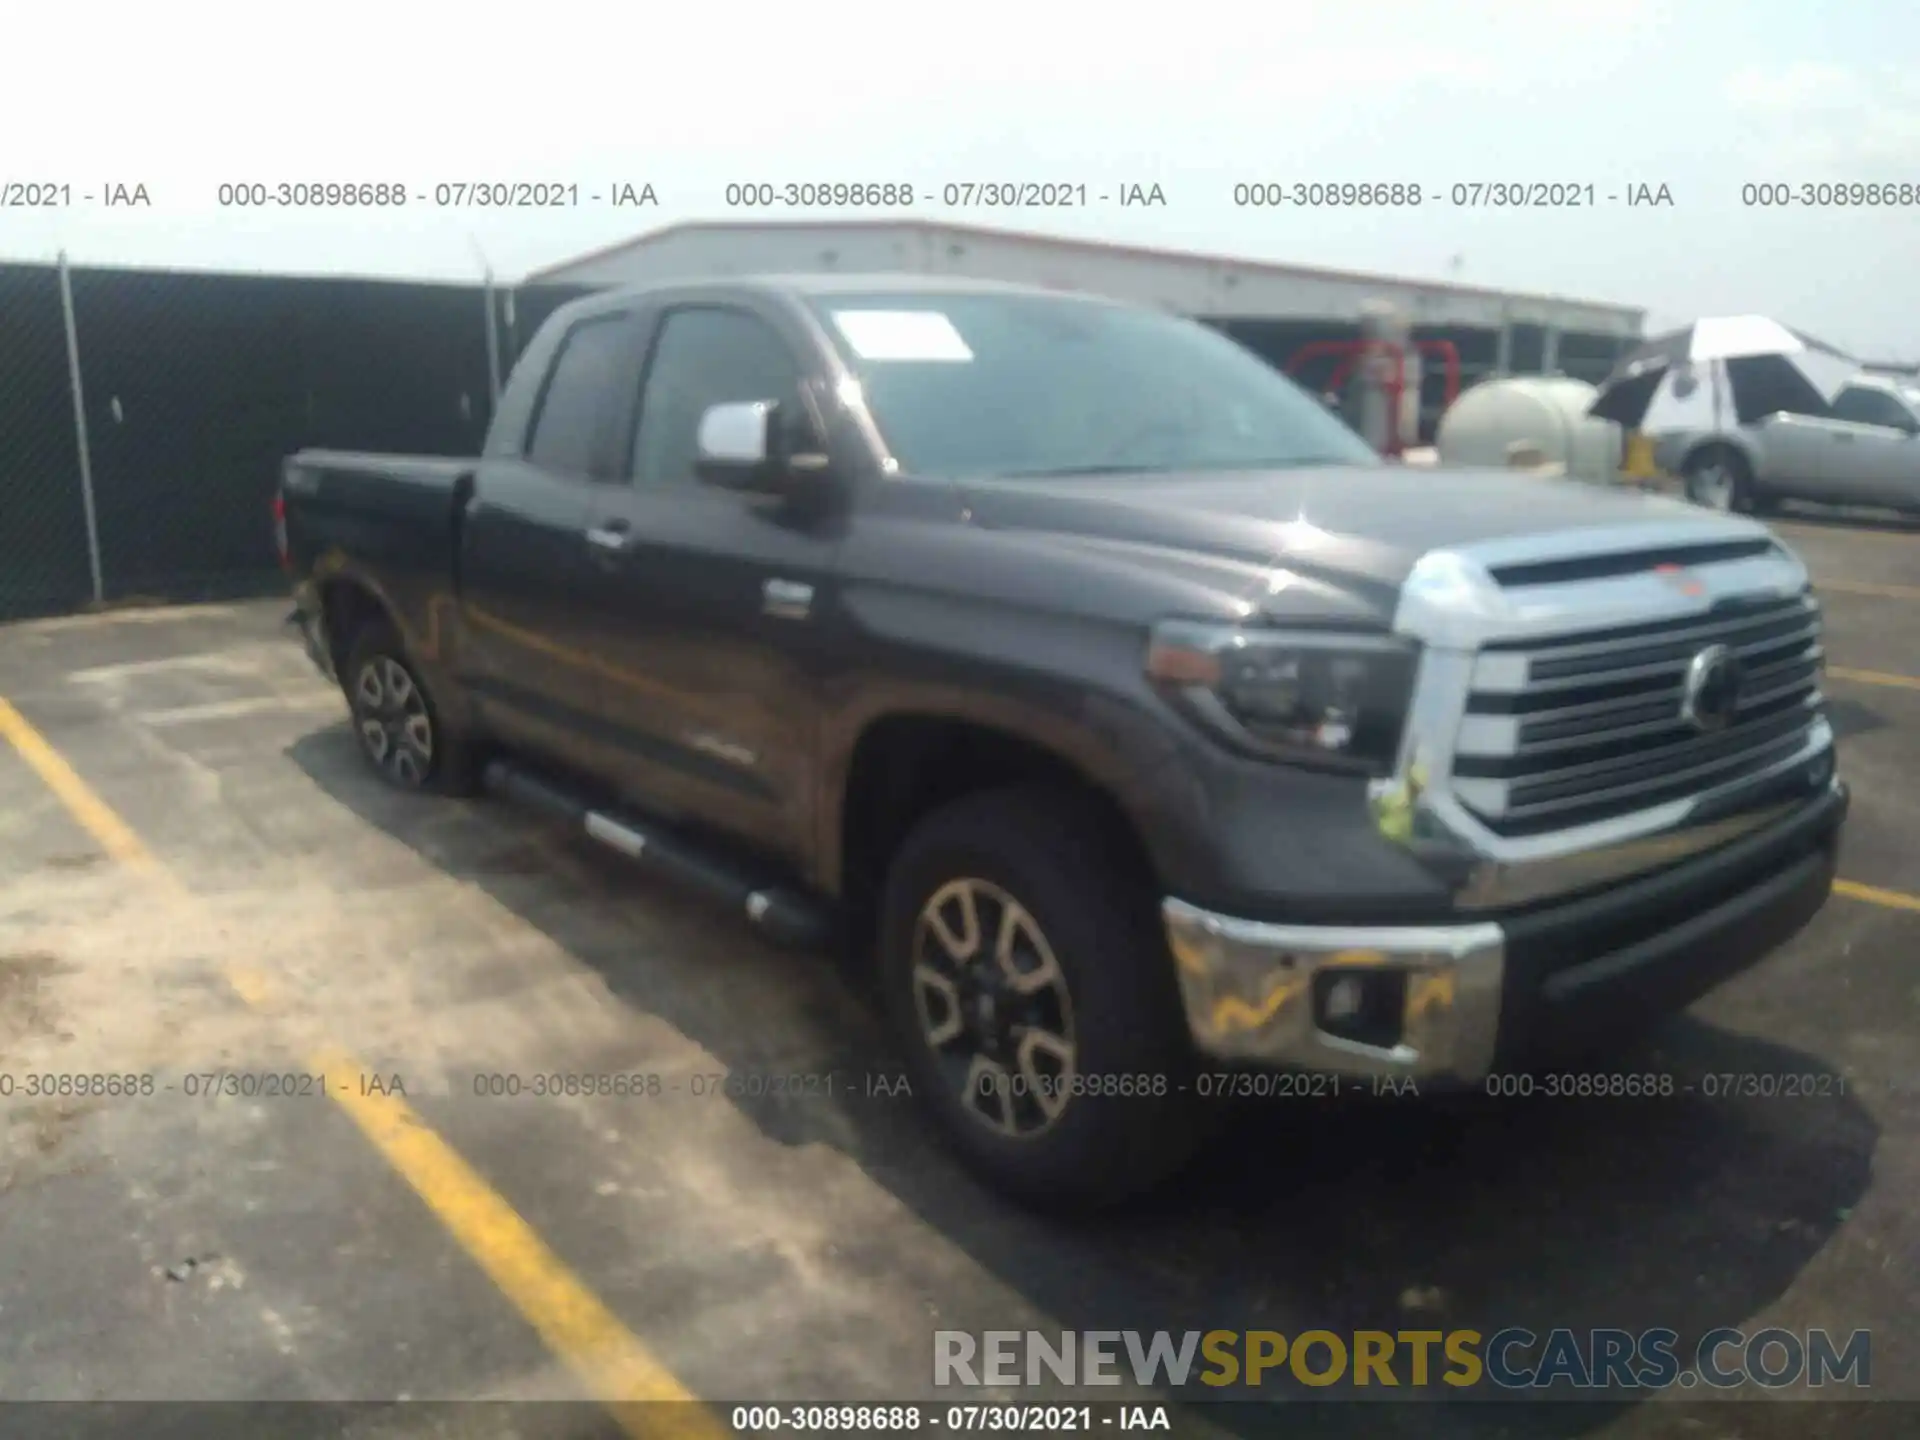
column 1718, row 478
column 395, row 721
column 1113, row 999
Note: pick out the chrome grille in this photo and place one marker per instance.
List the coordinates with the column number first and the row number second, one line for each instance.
column 1584, row 727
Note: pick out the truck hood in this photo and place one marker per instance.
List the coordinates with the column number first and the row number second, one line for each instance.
column 1358, row 529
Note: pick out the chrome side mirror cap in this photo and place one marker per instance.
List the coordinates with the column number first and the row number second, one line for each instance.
column 744, row 445
column 735, row 437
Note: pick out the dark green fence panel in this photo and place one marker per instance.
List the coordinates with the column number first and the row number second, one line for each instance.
column 197, row 386
column 43, row 530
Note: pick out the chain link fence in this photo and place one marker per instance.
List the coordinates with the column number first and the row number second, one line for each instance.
column 522, row 312
column 192, row 390
column 43, row 527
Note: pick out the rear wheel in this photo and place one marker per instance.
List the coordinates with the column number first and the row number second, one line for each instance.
column 1029, row 984
column 1719, row 479
column 395, row 720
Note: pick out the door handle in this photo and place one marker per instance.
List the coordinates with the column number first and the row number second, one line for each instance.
column 611, row 538
column 787, row 599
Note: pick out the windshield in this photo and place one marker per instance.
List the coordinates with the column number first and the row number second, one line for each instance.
column 967, row 385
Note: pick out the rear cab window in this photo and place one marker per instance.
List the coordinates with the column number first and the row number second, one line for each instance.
column 582, row 386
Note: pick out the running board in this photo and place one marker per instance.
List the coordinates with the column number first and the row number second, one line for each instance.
column 783, row 916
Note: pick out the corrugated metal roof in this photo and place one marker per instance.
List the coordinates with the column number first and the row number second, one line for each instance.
column 558, row 273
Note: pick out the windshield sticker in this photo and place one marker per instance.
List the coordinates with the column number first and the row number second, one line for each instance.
column 893, row 335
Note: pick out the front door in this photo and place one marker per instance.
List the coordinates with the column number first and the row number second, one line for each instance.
column 1874, row 446
column 1794, row 457
column 709, row 602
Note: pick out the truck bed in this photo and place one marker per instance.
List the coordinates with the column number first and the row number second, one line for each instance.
column 395, row 511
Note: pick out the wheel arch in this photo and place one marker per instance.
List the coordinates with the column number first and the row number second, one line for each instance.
column 349, row 599
column 348, row 605
column 1738, row 446
column 904, row 764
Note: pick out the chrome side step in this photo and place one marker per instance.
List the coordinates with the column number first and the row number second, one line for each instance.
column 782, row 915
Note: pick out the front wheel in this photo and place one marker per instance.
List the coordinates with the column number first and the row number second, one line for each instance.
column 1029, row 984
column 1718, row 479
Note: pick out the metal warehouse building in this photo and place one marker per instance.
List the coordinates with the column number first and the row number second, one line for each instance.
column 1273, row 309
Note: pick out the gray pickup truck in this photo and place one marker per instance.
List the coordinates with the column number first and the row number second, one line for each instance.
column 1867, row 452
column 1141, row 729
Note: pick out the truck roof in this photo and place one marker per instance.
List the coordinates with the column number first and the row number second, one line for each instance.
column 1873, row 380
column 811, row 285
column 882, row 282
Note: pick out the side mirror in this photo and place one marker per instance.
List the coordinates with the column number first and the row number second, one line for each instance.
column 743, row 446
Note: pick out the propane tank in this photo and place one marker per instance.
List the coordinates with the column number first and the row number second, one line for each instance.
column 1381, row 419
column 1407, row 429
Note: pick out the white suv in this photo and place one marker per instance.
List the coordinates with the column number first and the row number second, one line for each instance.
column 1866, row 453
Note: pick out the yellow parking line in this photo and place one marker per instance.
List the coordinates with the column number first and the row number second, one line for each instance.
column 1874, row 895
column 93, row 813
column 612, row 1362
column 1863, row 587
column 616, row 1367
column 1874, row 677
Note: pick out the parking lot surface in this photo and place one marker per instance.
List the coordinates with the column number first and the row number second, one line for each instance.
column 201, row 886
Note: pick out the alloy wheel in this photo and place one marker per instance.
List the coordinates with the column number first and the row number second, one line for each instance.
column 395, row 728
column 994, row 1007
column 1713, row 485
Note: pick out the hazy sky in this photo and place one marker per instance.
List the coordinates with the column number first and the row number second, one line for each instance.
column 1702, row 96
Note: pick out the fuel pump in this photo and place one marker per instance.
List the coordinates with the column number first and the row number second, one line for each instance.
column 1376, row 383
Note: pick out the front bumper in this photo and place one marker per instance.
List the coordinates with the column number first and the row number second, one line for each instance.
column 1455, row 1001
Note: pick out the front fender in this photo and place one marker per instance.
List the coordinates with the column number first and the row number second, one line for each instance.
column 1243, row 836
column 1071, row 686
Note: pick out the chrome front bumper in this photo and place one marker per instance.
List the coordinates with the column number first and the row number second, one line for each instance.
column 1253, row 992
column 1449, row 1002
column 1265, row 993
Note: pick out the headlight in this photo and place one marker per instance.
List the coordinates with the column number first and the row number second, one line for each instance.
column 1320, row 697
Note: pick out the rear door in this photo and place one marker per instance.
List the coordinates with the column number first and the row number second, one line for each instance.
column 709, row 602
column 525, row 579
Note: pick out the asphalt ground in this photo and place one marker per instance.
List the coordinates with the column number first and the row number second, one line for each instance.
column 201, row 885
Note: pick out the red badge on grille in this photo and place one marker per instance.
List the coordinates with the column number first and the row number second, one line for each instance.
column 1680, row 578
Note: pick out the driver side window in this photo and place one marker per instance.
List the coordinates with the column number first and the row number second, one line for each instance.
column 703, row 357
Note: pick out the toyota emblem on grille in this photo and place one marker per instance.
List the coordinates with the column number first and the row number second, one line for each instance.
column 1711, row 693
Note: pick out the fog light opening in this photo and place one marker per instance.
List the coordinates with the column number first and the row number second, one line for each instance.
column 1366, row 1007
column 1820, row 772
